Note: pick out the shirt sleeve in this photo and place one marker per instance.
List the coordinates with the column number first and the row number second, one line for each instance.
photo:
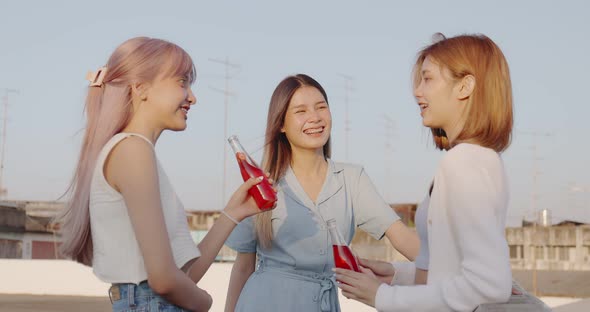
column 243, row 237
column 471, row 199
column 405, row 273
column 423, row 258
column 372, row 214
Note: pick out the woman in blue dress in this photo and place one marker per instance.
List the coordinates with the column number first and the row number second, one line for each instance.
column 285, row 259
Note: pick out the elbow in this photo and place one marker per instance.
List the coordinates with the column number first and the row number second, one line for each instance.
column 244, row 265
column 500, row 291
column 162, row 284
column 243, row 270
column 500, row 295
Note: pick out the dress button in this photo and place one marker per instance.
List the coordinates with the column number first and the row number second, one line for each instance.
column 429, row 221
column 322, row 251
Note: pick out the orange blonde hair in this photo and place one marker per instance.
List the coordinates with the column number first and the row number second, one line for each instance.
column 488, row 118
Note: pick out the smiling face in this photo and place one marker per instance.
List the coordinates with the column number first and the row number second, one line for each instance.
column 168, row 102
column 436, row 96
column 308, row 120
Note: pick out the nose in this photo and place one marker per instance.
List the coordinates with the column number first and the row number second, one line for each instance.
column 418, row 91
column 191, row 98
column 315, row 116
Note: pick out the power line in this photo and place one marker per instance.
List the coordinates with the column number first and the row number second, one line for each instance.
column 534, row 195
column 226, row 94
column 389, row 125
column 3, row 190
column 535, row 171
column 347, row 90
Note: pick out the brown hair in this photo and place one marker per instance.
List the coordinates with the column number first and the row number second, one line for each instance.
column 277, row 150
column 489, row 118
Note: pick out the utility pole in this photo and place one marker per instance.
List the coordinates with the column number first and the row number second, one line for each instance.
column 226, row 94
column 535, row 198
column 347, row 90
column 3, row 190
column 389, row 125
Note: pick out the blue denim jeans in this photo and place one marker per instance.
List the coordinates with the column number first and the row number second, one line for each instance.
column 138, row 298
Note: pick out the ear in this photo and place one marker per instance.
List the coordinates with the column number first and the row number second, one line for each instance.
column 283, row 129
column 139, row 90
column 466, row 87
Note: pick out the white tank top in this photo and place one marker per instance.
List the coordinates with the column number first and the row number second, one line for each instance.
column 117, row 257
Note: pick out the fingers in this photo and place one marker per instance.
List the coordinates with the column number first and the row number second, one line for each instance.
column 366, row 270
column 349, row 295
column 352, row 295
column 515, row 291
column 345, row 272
column 251, row 182
column 346, row 279
column 367, row 263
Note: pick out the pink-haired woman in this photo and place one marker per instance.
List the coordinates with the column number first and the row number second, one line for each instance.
column 124, row 217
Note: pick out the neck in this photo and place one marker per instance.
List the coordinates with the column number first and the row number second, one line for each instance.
column 141, row 126
column 453, row 131
column 308, row 162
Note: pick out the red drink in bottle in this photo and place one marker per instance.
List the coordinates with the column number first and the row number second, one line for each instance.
column 263, row 193
column 343, row 257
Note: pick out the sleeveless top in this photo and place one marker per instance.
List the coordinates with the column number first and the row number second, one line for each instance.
column 117, row 257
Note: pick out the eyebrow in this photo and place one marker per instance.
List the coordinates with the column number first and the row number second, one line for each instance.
column 298, row 106
column 302, row 105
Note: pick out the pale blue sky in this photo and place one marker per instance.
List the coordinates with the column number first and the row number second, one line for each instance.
column 48, row 46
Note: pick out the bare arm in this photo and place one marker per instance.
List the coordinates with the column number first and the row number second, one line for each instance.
column 403, row 239
column 241, row 271
column 131, row 169
column 421, row 277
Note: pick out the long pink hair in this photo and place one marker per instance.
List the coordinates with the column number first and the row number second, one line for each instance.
column 108, row 110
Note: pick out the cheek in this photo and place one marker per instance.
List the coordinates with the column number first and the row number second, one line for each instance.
column 328, row 120
column 290, row 125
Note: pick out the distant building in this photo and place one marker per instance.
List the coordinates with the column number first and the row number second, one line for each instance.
column 565, row 246
column 26, row 231
column 363, row 244
column 199, row 224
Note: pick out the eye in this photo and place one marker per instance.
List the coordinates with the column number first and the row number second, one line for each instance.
column 183, row 82
column 299, row 111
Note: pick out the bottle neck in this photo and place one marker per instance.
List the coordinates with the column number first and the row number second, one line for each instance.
column 235, row 144
column 335, row 235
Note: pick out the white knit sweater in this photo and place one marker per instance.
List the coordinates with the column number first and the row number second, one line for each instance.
column 469, row 259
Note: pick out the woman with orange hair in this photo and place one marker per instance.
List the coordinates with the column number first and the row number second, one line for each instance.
column 462, row 86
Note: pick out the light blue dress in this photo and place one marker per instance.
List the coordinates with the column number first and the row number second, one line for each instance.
column 296, row 273
column 423, row 259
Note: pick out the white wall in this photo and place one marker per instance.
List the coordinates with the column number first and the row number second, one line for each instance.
column 62, row 277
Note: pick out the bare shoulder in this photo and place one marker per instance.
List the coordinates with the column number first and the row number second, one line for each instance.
column 131, row 157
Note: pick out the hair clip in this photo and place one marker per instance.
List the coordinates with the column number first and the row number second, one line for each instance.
column 96, row 77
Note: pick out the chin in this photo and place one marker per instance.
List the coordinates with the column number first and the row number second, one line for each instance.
column 427, row 123
column 178, row 128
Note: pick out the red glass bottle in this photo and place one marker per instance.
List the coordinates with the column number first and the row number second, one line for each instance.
column 343, row 257
column 263, row 193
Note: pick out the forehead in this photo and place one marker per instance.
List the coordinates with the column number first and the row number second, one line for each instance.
column 430, row 65
column 307, row 95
